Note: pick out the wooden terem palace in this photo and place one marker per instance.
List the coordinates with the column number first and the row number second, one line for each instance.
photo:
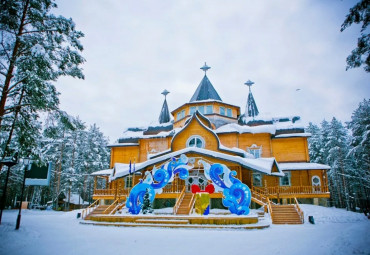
column 270, row 155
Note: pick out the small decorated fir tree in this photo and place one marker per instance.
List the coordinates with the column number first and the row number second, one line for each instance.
column 147, row 207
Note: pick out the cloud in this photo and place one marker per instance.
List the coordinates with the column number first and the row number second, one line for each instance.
column 135, row 49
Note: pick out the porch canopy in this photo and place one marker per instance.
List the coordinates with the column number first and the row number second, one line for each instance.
column 267, row 166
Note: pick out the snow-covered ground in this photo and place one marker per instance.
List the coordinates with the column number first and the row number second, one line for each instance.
column 47, row 232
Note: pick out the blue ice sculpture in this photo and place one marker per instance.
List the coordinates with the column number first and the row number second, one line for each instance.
column 155, row 181
column 237, row 195
column 136, row 198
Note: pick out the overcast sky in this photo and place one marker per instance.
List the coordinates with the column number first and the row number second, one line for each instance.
column 136, row 49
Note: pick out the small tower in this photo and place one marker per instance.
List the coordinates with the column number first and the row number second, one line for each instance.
column 251, row 109
column 164, row 117
column 205, row 89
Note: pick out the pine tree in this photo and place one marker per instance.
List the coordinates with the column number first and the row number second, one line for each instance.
column 324, row 136
column 359, row 154
column 337, row 146
column 146, row 207
column 360, row 56
column 57, row 146
column 314, row 143
column 94, row 155
column 37, row 47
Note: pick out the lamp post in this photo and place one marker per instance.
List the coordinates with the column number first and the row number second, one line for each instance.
column 26, row 163
column 9, row 162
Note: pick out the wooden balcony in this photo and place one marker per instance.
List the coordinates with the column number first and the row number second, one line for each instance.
column 294, row 191
column 275, row 192
column 170, row 191
column 110, row 193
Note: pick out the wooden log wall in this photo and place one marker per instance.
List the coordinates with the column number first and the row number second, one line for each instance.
column 293, row 149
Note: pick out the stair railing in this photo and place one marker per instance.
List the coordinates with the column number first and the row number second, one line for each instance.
column 110, row 207
column 87, row 210
column 299, row 210
column 259, row 196
column 118, row 207
column 192, row 202
column 270, row 207
column 179, row 200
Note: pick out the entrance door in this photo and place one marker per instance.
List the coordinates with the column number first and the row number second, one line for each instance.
column 316, row 183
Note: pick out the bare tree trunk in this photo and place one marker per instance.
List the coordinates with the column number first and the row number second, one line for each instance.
column 59, row 170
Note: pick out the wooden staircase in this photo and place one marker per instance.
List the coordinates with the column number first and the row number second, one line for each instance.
column 285, row 214
column 260, row 199
column 186, row 204
column 98, row 210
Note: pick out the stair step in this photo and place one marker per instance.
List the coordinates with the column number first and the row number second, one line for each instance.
column 285, row 217
column 281, row 223
column 162, row 221
column 184, row 208
column 275, row 213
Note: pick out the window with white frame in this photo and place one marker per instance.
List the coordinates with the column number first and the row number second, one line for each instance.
column 229, row 113
column 257, row 179
column 195, row 141
column 128, row 182
column 222, row 110
column 255, row 150
column 192, row 109
column 285, row 180
column 209, row 109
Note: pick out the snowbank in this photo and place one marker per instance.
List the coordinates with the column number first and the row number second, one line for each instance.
column 324, row 215
column 47, row 232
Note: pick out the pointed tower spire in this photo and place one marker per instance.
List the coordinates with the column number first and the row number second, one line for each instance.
column 164, row 117
column 205, row 89
column 251, row 109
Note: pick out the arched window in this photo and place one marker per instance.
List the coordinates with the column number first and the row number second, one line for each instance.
column 195, row 141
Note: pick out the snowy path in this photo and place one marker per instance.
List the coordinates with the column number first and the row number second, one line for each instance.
column 48, row 232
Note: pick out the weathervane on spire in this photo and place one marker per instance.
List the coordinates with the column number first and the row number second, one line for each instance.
column 205, row 68
column 249, row 83
column 165, row 93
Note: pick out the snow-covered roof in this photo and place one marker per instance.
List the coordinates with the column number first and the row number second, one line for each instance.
column 266, row 128
column 302, row 166
column 139, row 133
column 236, row 128
column 122, row 144
column 102, row 172
column 273, row 126
column 75, row 199
column 263, row 165
column 236, row 150
column 288, row 125
column 294, row 135
column 268, row 117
